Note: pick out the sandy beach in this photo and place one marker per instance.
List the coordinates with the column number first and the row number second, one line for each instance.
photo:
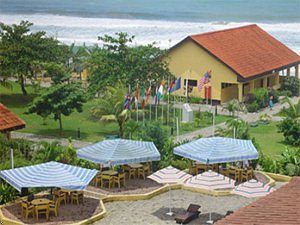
column 153, row 211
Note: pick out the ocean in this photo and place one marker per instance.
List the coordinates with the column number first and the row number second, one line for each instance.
column 164, row 22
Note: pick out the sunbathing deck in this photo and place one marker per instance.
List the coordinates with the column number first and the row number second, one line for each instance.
column 153, row 211
column 67, row 214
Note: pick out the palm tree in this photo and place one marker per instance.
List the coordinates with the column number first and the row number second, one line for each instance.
column 293, row 111
column 110, row 108
column 234, row 105
column 236, row 128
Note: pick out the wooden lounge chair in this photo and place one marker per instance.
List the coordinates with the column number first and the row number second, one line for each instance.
column 191, row 214
column 201, row 168
column 97, row 180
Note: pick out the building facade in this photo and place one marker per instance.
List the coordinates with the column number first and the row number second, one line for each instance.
column 240, row 59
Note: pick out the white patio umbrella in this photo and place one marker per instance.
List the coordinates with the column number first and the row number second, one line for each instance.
column 170, row 175
column 253, row 189
column 210, row 180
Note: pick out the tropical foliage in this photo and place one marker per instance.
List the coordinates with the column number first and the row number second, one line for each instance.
column 23, row 50
column 110, row 107
column 290, row 86
column 58, row 100
column 288, row 163
column 117, row 61
column 234, row 106
column 236, row 128
column 290, row 126
column 259, row 98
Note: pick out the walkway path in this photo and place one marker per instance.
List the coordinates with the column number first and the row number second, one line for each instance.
column 248, row 117
column 37, row 138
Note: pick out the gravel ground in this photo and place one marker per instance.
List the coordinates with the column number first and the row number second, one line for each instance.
column 146, row 212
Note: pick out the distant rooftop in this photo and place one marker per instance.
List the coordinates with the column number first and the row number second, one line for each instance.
column 9, row 121
column 249, row 50
column 279, row 207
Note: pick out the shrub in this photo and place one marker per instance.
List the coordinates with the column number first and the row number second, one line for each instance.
column 195, row 100
column 291, row 131
column 292, row 85
column 7, row 193
column 286, row 93
column 253, row 107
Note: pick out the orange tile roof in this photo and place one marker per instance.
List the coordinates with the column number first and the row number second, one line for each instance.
column 249, row 51
column 280, row 207
column 9, row 121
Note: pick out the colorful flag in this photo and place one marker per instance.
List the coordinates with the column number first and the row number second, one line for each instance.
column 204, row 80
column 143, row 99
column 127, row 101
column 155, row 97
column 171, row 85
column 136, row 94
column 148, row 95
column 176, row 86
column 160, row 91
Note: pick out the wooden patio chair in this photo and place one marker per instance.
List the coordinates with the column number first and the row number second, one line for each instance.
column 247, row 174
column 97, row 180
column 77, row 197
column 120, row 179
column 132, row 173
column 232, row 173
column 191, row 214
column 42, row 210
column 107, row 179
column 201, row 168
column 147, row 168
column 26, row 209
column 53, row 207
column 61, row 196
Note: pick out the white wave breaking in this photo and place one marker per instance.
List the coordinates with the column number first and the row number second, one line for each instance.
column 80, row 30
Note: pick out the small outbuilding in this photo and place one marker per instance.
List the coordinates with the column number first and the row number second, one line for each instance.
column 9, row 121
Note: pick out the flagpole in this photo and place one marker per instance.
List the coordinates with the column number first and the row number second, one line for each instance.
column 129, row 89
column 168, row 107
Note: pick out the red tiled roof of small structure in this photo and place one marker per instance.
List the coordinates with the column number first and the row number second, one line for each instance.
column 279, row 207
column 249, row 50
column 9, row 121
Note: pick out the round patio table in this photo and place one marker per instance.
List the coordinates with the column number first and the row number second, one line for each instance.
column 40, row 201
column 135, row 165
column 110, row 172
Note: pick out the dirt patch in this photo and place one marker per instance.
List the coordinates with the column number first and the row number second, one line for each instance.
column 69, row 213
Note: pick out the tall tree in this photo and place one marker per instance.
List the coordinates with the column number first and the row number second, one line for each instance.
column 119, row 60
column 60, row 99
column 21, row 50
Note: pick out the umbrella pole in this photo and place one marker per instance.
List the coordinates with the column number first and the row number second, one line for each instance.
column 170, row 213
column 210, row 221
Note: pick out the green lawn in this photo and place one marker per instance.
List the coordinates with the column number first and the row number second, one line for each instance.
column 270, row 141
column 91, row 130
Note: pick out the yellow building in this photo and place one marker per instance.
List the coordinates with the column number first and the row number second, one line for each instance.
column 240, row 59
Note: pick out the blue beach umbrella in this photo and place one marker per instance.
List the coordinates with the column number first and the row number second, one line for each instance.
column 217, row 150
column 119, row 152
column 49, row 175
